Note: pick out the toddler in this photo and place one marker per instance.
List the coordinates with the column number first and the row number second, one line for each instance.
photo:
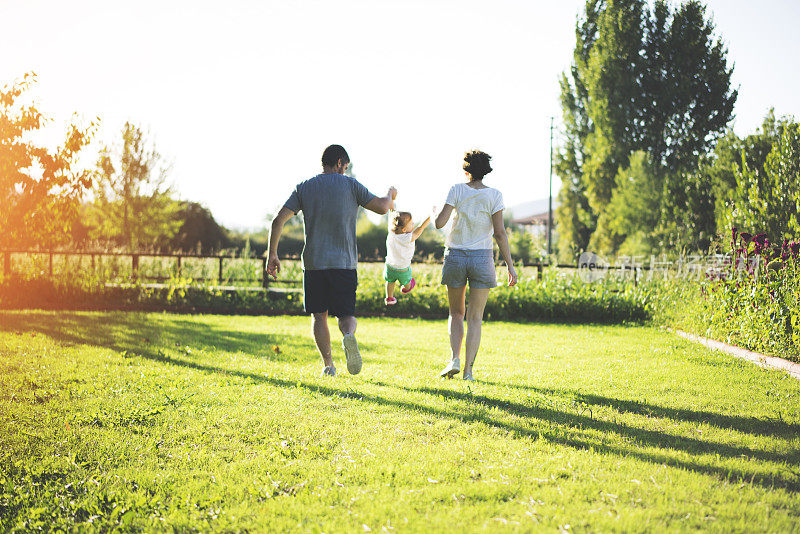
column 399, row 251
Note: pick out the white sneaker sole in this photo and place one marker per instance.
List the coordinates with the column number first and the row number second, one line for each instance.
column 450, row 373
column 350, row 346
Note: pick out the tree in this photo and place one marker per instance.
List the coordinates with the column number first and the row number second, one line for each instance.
column 766, row 196
column 687, row 100
column 613, row 75
column 40, row 189
column 133, row 203
column 651, row 80
column 635, row 204
column 687, row 213
column 734, row 166
column 198, row 230
column 691, row 105
column 575, row 218
column 371, row 237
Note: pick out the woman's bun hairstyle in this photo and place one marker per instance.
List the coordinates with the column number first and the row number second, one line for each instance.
column 476, row 163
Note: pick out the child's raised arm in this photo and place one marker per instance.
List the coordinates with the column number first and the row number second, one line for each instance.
column 419, row 229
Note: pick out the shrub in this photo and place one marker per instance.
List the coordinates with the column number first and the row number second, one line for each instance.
column 755, row 303
column 559, row 296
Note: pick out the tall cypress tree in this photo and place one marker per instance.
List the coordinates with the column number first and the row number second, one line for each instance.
column 576, row 219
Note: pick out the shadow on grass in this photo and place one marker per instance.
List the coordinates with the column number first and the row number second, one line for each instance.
column 146, row 336
column 642, row 436
column 554, row 434
column 748, row 425
column 124, row 331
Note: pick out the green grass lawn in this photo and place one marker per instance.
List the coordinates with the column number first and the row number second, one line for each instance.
column 155, row 421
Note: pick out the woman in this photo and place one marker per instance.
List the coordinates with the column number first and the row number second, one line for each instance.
column 469, row 256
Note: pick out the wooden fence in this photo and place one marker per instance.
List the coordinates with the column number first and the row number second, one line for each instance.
column 134, row 263
column 264, row 277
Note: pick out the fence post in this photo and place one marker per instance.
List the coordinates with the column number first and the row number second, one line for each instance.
column 220, row 269
column 50, row 265
column 264, row 274
column 135, row 266
column 180, row 265
column 93, row 269
column 539, row 271
column 7, row 263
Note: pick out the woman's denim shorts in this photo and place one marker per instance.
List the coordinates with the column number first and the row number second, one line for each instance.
column 473, row 266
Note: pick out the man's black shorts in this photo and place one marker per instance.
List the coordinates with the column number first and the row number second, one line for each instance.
column 330, row 290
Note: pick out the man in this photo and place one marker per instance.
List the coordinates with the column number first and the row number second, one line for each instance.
column 329, row 202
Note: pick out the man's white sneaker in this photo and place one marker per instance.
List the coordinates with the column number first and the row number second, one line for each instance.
column 350, row 346
column 329, row 371
column 452, row 369
column 468, row 377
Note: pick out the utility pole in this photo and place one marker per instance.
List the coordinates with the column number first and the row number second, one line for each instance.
column 550, row 200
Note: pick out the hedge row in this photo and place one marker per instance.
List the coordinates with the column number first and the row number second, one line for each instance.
column 563, row 299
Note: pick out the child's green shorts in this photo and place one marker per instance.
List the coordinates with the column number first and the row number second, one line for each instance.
column 391, row 274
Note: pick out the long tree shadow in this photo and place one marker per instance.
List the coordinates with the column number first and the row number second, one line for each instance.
column 748, row 425
column 643, row 436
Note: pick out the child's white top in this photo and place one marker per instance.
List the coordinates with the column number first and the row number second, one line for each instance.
column 399, row 250
column 472, row 226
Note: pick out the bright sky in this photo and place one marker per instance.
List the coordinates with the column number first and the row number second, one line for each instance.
column 243, row 96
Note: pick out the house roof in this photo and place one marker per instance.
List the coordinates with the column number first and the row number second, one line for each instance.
column 533, row 220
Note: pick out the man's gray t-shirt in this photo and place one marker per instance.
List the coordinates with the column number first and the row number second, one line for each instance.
column 329, row 203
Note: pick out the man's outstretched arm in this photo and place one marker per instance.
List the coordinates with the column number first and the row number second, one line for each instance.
column 443, row 216
column 381, row 205
column 274, row 264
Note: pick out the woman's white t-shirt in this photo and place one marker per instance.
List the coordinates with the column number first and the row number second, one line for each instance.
column 472, row 227
column 399, row 250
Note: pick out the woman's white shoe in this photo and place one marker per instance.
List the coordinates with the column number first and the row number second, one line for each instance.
column 452, row 369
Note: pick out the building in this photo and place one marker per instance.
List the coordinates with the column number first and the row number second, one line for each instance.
column 533, row 216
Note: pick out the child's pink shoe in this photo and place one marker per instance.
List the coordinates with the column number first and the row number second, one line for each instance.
column 409, row 287
column 390, row 301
